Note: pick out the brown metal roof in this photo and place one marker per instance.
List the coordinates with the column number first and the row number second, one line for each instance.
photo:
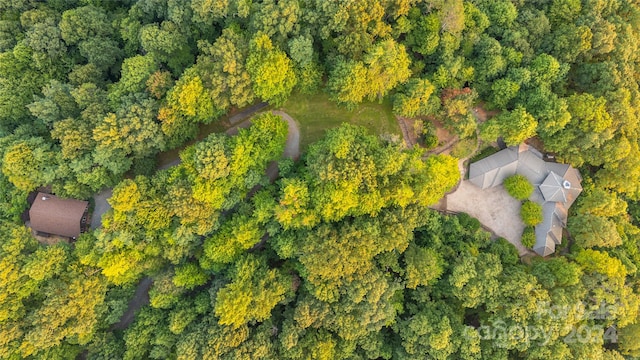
column 53, row 215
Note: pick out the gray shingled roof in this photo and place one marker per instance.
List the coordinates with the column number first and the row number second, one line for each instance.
column 552, row 188
column 575, row 188
column 549, row 232
column 492, row 170
column 532, row 167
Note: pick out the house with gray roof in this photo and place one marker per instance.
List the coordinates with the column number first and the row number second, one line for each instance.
column 556, row 187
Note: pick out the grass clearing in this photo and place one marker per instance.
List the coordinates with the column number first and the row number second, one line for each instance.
column 464, row 148
column 316, row 113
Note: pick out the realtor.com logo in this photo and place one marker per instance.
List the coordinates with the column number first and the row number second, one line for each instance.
column 588, row 331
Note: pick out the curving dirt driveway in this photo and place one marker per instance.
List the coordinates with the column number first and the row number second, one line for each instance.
column 292, row 148
column 101, row 207
column 291, row 151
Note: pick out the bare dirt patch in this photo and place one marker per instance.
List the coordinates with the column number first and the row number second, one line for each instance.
column 483, row 115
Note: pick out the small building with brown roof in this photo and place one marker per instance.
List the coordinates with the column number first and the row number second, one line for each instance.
column 50, row 214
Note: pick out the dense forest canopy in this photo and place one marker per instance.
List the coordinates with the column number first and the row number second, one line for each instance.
column 340, row 257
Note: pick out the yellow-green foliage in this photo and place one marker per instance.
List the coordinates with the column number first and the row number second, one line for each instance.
column 531, row 213
column 518, row 187
column 271, row 71
column 528, row 237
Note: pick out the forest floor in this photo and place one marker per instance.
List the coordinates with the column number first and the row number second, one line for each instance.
column 316, row 114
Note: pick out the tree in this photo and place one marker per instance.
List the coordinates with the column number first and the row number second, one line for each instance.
column 384, row 66
column 276, row 19
column 474, row 279
column 135, row 73
column 234, row 237
column 528, row 237
column 518, row 187
column 28, row 164
column 507, row 251
column 133, row 130
column 168, row 44
column 348, row 81
column 101, row 52
column 564, row 11
column 253, row 292
column 35, row 325
column 191, row 99
column 531, row 213
column 594, row 261
column 501, row 15
column 159, row 83
column 301, row 50
column 503, row 91
column 72, row 311
column 337, row 190
column 223, row 66
column 149, row 334
column 19, row 82
column 358, row 26
column 48, row 48
column 515, row 126
column 591, row 230
column 74, row 136
column 628, row 340
column 584, row 138
column 456, row 110
column 271, row 70
column 600, row 202
column 434, row 330
column 568, row 41
column 416, row 99
column 489, row 61
column 57, row 103
column 84, row 23
column 424, row 35
column 440, row 176
column 189, row 276
column 424, row 266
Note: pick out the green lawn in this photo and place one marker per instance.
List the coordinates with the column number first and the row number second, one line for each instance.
column 315, row 114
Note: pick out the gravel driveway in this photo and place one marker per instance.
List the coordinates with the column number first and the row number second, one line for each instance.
column 493, row 207
column 101, row 207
